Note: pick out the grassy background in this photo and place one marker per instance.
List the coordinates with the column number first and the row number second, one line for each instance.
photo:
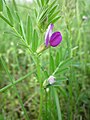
column 74, row 95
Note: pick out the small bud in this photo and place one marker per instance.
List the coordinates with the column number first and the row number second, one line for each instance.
column 51, row 80
column 47, row 90
column 12, row 43
column 84, row 18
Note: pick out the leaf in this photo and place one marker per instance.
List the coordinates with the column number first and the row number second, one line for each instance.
column 57, row 104
column 57, row 60
column 51, row 64
column 23, row 45
column 52, row 4
column 46, row 74
column 15, row 6
column 53, row 15
column 17, row 17
column 42, row 2
column 36, row 13
column 47, row 1
column 43, row 14
column 29, row 30
column 62, row 70
column 46, row 11
column 1, row 5
column 65, row 62
column 61, row 79
column 55, row 19
column 9, row 14
column 53, row 9
column 35, row 41
column 22, row 30
column 60, row 53
column 6, row 69
column 62, row 90
column 11, row 33
column 6, row 20
column 38, row 2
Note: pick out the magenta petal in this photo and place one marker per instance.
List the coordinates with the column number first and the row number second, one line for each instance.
column 48, row 34
column 55, row 39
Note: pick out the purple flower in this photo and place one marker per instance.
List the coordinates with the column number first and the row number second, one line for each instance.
column 52, row 39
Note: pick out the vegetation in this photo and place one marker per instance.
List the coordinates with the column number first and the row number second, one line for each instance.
column 25, row 90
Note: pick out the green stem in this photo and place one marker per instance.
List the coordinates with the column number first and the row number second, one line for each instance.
column 57, row 104
column 41, row 86
column 15, row 82
column 41, row 49
column 46, row 104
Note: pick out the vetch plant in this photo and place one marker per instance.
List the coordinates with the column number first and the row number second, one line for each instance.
column 30, row 39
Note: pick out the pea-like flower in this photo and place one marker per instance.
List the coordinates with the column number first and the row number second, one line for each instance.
column 52, row 39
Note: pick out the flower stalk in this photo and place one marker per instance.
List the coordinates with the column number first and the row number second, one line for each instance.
column 41, row 88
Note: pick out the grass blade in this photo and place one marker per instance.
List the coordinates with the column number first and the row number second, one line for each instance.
column 15, row 82
column 57, row 104
column 29, row 30
column 9, row 14
column 35, row 41
column 51, row 64
column 5, row 19
column 1, row 5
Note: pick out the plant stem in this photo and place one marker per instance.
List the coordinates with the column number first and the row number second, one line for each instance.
column 57, row 104
column 41, row 86
column 46, row 104
column 15, row 82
